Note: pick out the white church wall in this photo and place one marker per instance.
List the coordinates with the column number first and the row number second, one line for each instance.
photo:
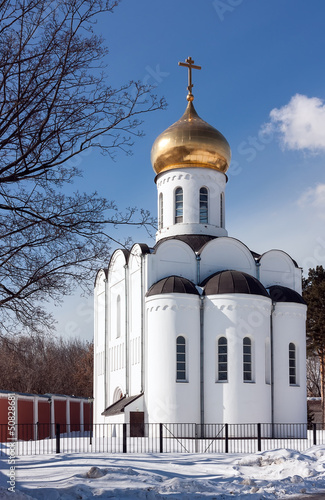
column 191, row 180
column 236, row 317
column 135, row 312
column 172, row 257
column 116, row 335
column 277, row 268
column 135, row 306
column 99, row 345
column 168, row 316
column 290, row 401
column 226, row 253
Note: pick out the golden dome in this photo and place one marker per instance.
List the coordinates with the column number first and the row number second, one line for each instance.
column 190, row 142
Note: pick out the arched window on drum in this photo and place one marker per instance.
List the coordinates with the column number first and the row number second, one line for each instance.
column 178, row 205
column 203, row 205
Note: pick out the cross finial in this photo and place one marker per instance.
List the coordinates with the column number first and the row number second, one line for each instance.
column 189, row 63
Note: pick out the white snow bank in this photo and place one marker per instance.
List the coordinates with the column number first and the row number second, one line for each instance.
column 268, row 475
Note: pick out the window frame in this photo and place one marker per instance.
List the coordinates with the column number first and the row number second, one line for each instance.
column 179, row 205
column 292, row 364
column 181, row 365
column 222, row 214
column 204, row 205
column 247, row 363
column 222, row 342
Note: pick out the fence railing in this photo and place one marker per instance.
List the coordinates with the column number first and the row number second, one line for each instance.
column 35, row 439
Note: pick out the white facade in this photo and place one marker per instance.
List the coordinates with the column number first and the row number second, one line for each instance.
column 189, row 330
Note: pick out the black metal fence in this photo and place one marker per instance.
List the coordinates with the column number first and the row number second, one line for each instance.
column 35, row 439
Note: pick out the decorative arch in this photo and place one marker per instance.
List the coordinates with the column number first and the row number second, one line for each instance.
column 232, row 254
column 277, row 268
column 117, row 395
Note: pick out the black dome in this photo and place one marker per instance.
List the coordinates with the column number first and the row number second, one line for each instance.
column 284, row 294
column 172, row 284
column 233, row 282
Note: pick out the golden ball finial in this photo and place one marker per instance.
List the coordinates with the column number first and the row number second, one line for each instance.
column 190, row 142
column 190, row 97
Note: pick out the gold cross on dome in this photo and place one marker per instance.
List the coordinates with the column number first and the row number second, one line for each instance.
column 189, row 63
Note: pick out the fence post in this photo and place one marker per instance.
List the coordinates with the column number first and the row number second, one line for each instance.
column 259, row 438
column 314, row 434
column 226, row 438
column 161, row 441
column 124, row 438
column 196, row 438
column 57, row 435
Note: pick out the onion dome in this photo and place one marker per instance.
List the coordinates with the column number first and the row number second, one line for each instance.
column 172, row 284
column 284, row 294
column 233, row 282
column 190, row 142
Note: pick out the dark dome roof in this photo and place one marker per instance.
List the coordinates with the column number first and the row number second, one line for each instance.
column 195, row 241
column 233, row 282
column 283, row 294
column 172, row 284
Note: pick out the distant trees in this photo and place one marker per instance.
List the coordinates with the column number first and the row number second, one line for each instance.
column 46, row 365
column 313, row 376
column 55, row 103
column 314, row 295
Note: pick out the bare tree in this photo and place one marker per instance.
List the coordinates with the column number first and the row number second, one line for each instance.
column 55, row 103
column 44, row 365
column 314, row 295
column 313, row 376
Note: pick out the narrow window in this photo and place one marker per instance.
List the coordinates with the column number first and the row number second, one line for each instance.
column 204, row 205
column 222, row 222
column 222, row 360
column 292, row 364
column 161, row 211
column 247, row 359
column 267, row 361
column 178, row 205
column 118, row 316
column 180, row 359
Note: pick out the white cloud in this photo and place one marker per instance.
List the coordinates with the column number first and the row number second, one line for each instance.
column 314, row 197
column 300, row 123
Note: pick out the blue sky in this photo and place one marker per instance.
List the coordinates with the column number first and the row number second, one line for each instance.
column 262, row 84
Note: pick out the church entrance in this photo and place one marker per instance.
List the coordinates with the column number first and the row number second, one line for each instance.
column 136, row 424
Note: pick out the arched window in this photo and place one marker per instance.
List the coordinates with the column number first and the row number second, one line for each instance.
column 222, row 217
column 180, row 359
column 161, row 211
column 204, row 205
column 178, row 205
column 118, row 316
column 247, row 359
column 117, row 395
column 292, row 364
column 222, row 360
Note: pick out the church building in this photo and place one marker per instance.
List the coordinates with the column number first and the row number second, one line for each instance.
column 198, row 328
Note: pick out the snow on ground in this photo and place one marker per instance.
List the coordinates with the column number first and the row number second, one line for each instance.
column 271, row 474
